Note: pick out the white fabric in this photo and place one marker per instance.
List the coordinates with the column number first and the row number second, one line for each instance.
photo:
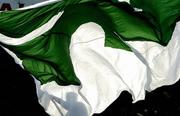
column 62, row 100
column 105, row 72
column 162, row 62
column 92, row 61
column 39, row 4
column 128, row 1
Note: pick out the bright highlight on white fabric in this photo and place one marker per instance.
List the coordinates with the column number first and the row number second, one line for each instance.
column 46, row 2
column 128, row 1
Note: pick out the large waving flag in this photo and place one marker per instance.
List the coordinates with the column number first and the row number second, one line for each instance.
column 84, row 53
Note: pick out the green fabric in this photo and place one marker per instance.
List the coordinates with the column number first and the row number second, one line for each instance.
column 50, row 53
column 163, row 14
column 47, row 56
column 19, row 23
column 129, row 24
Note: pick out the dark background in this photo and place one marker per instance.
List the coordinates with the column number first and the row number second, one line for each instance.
column 18, row 96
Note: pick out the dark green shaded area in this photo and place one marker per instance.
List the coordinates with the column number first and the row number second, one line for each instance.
column 163, row 14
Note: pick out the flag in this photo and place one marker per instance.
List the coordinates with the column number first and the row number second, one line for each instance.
column 83, row 53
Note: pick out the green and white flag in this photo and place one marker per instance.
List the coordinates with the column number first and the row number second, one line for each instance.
column 84, row 53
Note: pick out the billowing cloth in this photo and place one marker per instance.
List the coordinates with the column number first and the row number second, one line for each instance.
column 83, row 53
